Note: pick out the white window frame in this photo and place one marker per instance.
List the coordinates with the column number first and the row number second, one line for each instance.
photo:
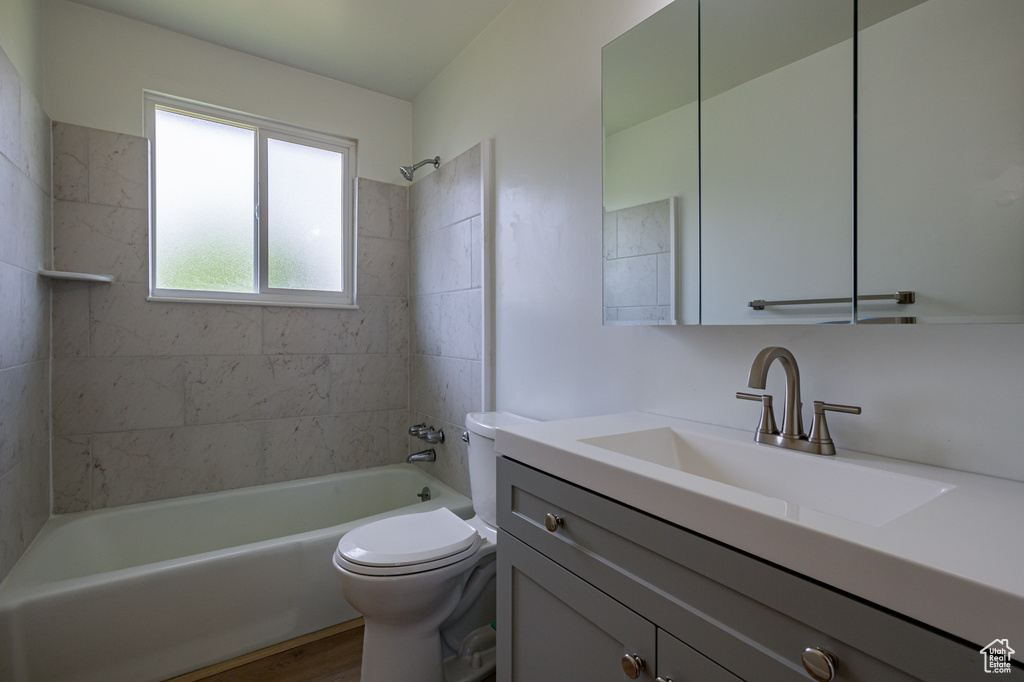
column 264, row 129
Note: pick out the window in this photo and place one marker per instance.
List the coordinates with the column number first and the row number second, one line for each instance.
column 248, row 210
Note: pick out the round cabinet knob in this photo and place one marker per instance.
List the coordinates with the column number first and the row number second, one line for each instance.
column 819, row 664
column 633, row 665
column 553, row 521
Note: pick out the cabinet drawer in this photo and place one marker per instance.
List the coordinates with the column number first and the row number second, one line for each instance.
column 749, row 616
column 679, row 663
column 553, row 626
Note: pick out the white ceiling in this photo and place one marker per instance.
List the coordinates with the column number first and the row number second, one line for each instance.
column 395, row 47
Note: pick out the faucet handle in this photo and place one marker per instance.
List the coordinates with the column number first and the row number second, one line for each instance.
column 767, row 424
column 819, row 427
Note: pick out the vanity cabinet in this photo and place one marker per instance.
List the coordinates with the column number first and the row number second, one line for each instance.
column 584, row 581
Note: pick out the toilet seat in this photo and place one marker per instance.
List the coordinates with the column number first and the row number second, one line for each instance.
column 410, row 543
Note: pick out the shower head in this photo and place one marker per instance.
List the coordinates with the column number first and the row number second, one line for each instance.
column 407, row 171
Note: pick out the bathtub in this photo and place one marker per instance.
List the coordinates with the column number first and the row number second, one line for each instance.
column 153, row 590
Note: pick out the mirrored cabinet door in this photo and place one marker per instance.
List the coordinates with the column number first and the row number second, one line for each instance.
column 651, row 209
column 768, row 161
column 776, row 164
column 940, row 186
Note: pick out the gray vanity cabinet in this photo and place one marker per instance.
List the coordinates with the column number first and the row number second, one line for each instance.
column 563, row 628
column 584, row 580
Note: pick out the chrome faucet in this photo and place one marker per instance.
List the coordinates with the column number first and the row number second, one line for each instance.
column 424, row 456
column 792, row 436
column 792, row 419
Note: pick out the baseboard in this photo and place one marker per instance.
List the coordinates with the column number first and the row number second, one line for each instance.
column 217, row 668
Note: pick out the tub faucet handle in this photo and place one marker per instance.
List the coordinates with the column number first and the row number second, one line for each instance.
column 434, row 436
column 414, row 430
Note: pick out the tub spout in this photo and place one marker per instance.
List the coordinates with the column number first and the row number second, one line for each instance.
column 425, row 456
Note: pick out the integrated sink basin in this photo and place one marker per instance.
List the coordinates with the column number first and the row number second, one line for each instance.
column 940, row 546
column 830, row 486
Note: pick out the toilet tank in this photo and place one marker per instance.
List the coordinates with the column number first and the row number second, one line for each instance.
column 482, row 480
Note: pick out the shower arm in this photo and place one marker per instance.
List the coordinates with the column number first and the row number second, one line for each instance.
column 436, row 161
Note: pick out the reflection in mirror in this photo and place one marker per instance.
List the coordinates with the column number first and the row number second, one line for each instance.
column 776, row 159
column 649, row 79
column 639, row 259
column 940, row 180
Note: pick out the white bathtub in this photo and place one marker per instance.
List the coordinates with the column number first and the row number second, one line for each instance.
column 153, row 590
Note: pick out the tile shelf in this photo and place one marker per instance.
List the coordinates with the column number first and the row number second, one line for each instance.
column 76, row 276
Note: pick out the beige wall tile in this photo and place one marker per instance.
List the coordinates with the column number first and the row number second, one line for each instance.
column 443, row 387
column 643, row 229
column 246, row 388
column 24, row 219
column 382, row 210
column 326, row 330
column 447, row 324
column 105, row 240
column 72, row 474
column 36, row 159
column 440, row 260
column 383, row 267
column 70, row 162
column 364, row 383
column 24, row 413
column 10, row 315
column 24, row 506
column 24, row 317
column 399, row 440
column 123, row 322
column 118, row 169
column 398, row 325
column 95, row 395
column 138, row 466
column 446, row 196
column 71, row 319
column 316, row 446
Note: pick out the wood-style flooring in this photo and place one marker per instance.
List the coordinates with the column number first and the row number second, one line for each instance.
column 335, row 657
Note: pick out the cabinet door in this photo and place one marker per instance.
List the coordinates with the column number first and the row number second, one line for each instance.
column 679, row 663
column 554, row 627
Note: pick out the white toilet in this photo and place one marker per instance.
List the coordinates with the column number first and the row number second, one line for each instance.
column 413, row 577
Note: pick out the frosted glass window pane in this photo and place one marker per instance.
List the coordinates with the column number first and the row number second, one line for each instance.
column 304, row 204
column 204, row 204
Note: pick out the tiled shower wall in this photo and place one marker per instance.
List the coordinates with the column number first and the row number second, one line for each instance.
column 24, row 316
column 154, row 400
column 638, row 264
column 446, row 305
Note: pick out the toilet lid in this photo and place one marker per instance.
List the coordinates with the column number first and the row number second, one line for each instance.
column 408, row 539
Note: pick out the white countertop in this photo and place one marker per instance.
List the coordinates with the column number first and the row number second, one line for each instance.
column 955, row 563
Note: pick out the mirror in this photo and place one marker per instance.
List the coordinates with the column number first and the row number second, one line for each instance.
column 776, row 166
column 940, row 185
column 649, row 81
column 923, row 193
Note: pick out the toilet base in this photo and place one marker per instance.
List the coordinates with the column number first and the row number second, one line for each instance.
column 476, row 658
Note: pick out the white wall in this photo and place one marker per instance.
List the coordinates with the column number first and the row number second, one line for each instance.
column 97, row 65
column 948, row 395
column 21, row 29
